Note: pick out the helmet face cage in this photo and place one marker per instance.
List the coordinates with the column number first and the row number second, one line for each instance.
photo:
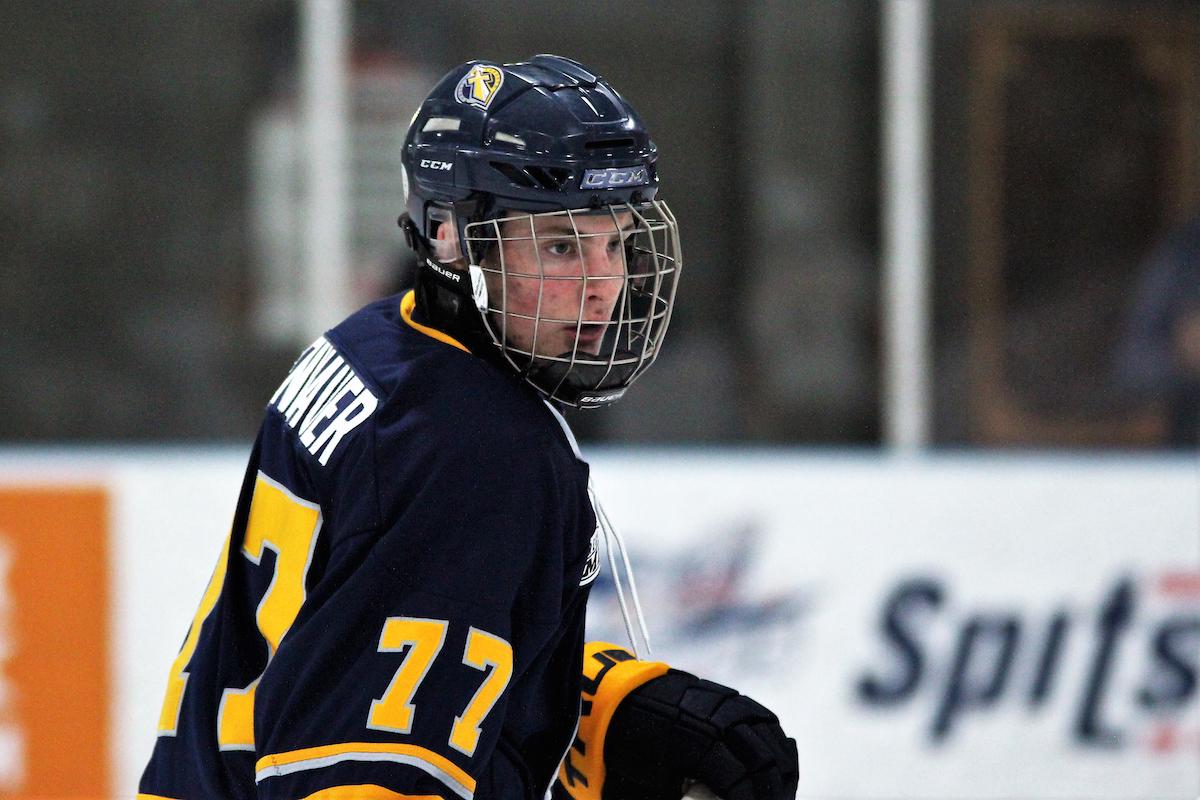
column 578, row 300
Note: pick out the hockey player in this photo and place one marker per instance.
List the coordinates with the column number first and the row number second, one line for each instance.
column 399, row 610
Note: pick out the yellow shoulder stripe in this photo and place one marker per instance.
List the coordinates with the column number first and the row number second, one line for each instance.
column 438, row 766
column 407, row 304
column 365, row 791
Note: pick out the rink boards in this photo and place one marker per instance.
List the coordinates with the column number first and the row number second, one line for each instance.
column 942, row 627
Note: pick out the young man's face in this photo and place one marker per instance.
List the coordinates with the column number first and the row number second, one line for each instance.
column 580, row 277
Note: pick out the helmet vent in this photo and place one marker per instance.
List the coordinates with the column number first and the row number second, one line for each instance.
column 549, row 177
column 609, row 144
column 515, row 175
column 508, row 138
column 441, row 124
column 533, row 177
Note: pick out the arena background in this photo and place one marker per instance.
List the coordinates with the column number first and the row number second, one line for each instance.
column 918, row 465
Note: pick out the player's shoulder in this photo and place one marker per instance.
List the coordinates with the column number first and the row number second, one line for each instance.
column 460, row 403
column 379, row 375
column 336, row 387
column 373, row 340
column 407, row 362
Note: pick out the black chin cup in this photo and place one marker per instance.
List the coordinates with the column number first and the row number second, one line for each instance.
column 585, row 385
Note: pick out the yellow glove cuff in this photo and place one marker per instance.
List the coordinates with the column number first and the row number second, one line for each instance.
column 610, row 672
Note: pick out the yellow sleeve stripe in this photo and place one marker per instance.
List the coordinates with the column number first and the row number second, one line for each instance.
column 365, row 791
column 142, row 796
column 454, row 777
column 407, row 304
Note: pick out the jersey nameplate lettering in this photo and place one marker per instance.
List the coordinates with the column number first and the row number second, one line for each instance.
column 322, row 399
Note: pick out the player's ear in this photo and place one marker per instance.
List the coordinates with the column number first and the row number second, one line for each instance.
column 445, row 244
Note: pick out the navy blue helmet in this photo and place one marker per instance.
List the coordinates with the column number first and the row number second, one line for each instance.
column 532, row 206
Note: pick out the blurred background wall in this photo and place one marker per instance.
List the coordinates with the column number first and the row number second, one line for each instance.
column 150, row 180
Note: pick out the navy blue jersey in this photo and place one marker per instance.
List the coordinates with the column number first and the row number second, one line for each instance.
column 400, row 607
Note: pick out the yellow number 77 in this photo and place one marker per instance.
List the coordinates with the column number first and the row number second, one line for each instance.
column 423, row 638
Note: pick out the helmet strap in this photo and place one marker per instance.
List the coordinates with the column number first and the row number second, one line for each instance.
column 445, row 298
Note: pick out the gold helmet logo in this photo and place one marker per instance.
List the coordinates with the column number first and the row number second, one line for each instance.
column 479, row 86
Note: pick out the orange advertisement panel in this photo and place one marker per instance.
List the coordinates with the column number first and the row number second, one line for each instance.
column 54, row 632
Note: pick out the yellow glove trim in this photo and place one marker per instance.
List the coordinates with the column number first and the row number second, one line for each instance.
column 610, row 673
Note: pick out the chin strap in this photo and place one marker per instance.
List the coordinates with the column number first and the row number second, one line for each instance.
column 614, row 543
column 446, row 300
column 413, row 237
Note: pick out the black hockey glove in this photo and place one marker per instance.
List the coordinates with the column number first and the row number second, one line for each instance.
column 648, row 731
